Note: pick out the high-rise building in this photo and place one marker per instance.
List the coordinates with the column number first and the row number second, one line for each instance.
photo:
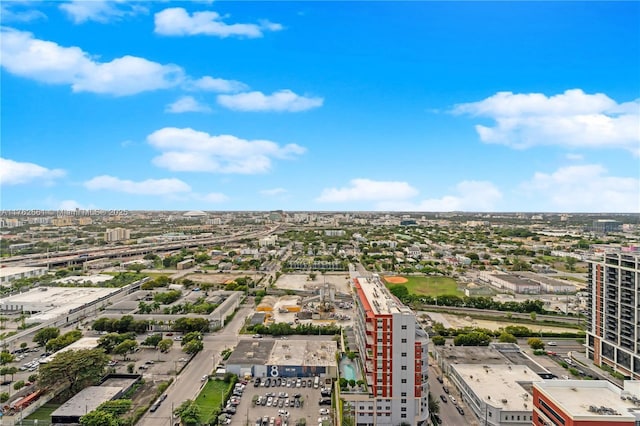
column 613, row 321
column 604, row 226
column 117, row 234
column 394, row 354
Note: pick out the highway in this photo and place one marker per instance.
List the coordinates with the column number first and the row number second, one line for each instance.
column 188, row 383
column 80, row 256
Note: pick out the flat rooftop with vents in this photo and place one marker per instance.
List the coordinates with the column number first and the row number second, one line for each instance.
column 592, row 400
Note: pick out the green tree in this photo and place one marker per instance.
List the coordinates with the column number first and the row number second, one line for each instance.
column 98, row 418
column 33, row 378
column 189, row 412
column 130, row 368
column 6, row 358
column 165, row 345
column 18, row 385
column 46, row 334
column 153, row 340
column 4, row 397
column 193, row 347
column 507, row 338
column 434, row 405
column 535, row 343
column 125, row 347
column 438, row 340
column 136, row 267
column 570, row 263
column 74, row 370
column 533, row 316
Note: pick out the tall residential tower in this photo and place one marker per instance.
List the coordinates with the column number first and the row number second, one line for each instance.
column 613, row 321
column 394, row 354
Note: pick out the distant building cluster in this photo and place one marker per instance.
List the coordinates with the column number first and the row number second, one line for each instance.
column 117, row 234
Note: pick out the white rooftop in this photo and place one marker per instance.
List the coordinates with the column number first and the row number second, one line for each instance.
column 497, row 384
column 8, row 271
column 379, row 298
column 69, row 297
column 82, row 343
column 93, row 279
column 303, row 352
column 575, row 397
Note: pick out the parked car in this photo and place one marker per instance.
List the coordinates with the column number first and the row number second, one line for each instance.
column 443, row 398
column 460, row 410
column 324, row 411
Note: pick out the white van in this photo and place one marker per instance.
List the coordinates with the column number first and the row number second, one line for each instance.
column 316, row 382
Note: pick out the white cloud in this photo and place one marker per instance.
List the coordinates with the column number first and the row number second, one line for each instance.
column 583, row 188
column 368, row 190
column 190, row 150
column 145, row 187
column 81, row 11
column 212, row 197
column 212, row 84
column 17, row 12
column 283, row 100
column 469, row 196
column 48, row 62
column 571, row 119
column 574, row 157
column 186, row 104
column 15, row 173
column 273, row 192
column 176, row 21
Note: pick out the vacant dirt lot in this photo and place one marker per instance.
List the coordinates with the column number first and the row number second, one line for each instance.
column 302, row 281
column 217, row 278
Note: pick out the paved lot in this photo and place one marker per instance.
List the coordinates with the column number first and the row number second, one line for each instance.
column 308, row 410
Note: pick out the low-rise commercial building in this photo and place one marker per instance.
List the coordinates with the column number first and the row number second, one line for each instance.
column 511, row 283
column 498, row 394
column 11, row 273
column 586, row 403
column 267, row 357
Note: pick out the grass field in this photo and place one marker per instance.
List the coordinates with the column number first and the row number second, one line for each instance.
column 210, row 398
column 432, row 286
column 44, row 412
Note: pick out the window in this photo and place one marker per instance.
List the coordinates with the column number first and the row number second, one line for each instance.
column 404, row 416
column 404, row 380
column 404, row 340
column 404, row 367
column 403, row 409
column 403, row 354
column 404, row 401
column 551, row 411
column 403, row 394
column 518, row 417
column 404, row 327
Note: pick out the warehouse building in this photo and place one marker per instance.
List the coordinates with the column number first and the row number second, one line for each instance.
column 267, row 357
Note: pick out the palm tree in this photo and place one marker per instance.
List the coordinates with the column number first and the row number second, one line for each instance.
column 434, row 406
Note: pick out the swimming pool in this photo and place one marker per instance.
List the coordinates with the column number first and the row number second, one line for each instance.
column 348, row 371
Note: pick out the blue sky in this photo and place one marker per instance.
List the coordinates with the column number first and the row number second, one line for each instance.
column 411, row 106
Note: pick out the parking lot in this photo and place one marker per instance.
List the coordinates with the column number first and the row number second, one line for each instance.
column 282, row 400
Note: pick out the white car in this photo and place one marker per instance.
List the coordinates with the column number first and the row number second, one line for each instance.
column 205, row 378
column 324, row 411
column 552, row 344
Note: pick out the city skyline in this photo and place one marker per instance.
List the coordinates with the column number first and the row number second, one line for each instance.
column 332, row 106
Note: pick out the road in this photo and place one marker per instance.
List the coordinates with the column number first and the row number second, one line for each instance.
column 448, row 412
column 188, row 383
